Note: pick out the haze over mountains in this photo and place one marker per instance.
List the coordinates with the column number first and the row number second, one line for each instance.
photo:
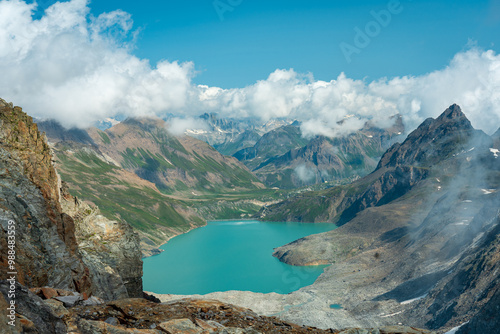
column 419, row 237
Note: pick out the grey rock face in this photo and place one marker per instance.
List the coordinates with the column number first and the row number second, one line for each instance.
column 487, row 320
column 42, row 258
column 35, row 316
column 471, row 289
column 69, row 301
column 110, row 249
column 73, row 248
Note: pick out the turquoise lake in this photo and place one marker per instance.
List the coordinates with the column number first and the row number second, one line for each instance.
column 230, row 255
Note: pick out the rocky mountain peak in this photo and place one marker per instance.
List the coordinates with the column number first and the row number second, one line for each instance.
column 450, row 123
column 453, row 112
column 452, row 119
column 432, row 141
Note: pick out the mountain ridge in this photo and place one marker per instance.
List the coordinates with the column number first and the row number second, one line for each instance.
column 427, row 250
column 174, row 164
column 399, row 169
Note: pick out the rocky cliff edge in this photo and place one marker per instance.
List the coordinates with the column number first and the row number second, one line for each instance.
column 58, row 240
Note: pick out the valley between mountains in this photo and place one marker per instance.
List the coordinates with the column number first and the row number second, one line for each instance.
column 164, row 185
column 418, row 216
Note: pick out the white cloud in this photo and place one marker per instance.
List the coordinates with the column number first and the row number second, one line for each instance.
column 79, row 69
column 338, row 107
column 472, row 80
column 304, row 173
column 178, row 126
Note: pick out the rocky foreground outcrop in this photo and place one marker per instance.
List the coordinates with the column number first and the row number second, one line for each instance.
column 51, row 240
column 59, row 240
column 57, row 311
column 110, row 249
column 45, row 242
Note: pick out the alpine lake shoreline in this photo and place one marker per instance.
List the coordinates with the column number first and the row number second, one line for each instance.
column 232, row 243
column 270, row 304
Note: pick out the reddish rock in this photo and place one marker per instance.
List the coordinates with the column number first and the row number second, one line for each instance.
column 35, row 185
column 61, row 292
column 49, row 293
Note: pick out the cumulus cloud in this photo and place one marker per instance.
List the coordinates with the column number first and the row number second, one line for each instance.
column 178, row 126
column 344, row 105
column 80, row 69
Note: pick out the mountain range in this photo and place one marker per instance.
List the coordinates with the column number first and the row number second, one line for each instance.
column 164, row 185
column 280, row 156
column 417, row 242
column 324, row 159
column 137, row 172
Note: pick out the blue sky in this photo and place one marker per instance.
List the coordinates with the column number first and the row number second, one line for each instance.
column 320, row 62
column 257, row 37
